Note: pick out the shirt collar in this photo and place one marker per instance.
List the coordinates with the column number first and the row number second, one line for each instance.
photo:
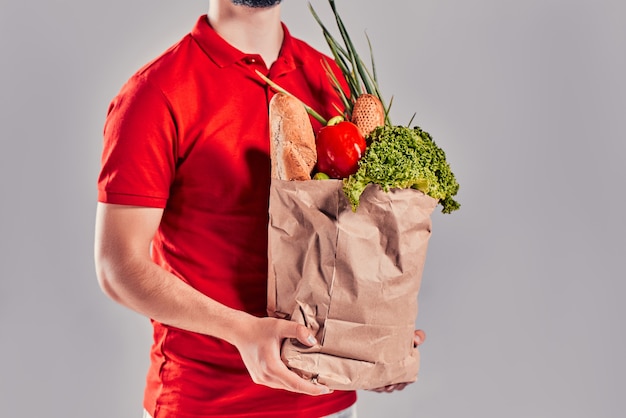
column 223, row 54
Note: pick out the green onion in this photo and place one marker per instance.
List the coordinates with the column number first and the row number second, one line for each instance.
column 359, row 78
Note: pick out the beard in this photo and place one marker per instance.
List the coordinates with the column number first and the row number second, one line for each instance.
column 256, row 3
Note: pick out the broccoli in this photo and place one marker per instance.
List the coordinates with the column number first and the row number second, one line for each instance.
column 404, row 157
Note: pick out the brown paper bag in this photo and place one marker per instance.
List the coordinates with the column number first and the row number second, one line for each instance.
column 351, row 277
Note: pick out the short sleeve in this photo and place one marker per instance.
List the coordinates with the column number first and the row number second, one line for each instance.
column 139, row 149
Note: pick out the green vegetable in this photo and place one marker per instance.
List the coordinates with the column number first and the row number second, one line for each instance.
column 403, row 157
column 359, row 77
column 321, row 176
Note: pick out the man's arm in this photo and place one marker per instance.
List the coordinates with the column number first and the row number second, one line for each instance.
column 128, row 275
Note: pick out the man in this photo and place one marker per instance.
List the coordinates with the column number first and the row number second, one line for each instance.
column 181, row 225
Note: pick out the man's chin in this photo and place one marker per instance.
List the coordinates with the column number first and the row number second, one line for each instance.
column 256, row 3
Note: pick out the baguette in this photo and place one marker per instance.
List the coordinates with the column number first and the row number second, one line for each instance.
column 292, row 140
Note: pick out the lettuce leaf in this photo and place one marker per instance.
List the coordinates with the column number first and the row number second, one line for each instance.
column 404, row 157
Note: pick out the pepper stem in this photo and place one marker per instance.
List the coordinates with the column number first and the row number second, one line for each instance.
column 335, row 120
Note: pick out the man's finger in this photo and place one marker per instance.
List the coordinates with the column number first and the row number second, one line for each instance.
column 295, row 383
column 419, row 337
column 298, row 331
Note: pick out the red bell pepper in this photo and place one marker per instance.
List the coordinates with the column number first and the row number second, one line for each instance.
column 340, row 146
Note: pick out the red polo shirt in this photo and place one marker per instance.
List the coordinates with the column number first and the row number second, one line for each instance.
column 189, row 133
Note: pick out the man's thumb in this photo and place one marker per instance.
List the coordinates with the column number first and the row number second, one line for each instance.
column 302, row 334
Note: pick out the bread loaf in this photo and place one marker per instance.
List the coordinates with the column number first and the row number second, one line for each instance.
column 292, row 140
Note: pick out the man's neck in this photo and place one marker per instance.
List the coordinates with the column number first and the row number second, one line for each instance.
column 253, row 31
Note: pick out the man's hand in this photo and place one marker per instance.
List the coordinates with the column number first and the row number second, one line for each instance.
column 418, row 339
column 260, row 351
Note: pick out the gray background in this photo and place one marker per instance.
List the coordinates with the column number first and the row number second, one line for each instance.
column 523, row 288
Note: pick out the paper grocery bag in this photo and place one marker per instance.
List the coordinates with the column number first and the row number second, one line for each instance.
column 351, row 277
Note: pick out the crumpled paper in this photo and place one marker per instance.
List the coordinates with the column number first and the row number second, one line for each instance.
column 351, row 277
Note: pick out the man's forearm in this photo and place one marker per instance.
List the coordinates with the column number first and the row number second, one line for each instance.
column 150, row 290
column 129, row 276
